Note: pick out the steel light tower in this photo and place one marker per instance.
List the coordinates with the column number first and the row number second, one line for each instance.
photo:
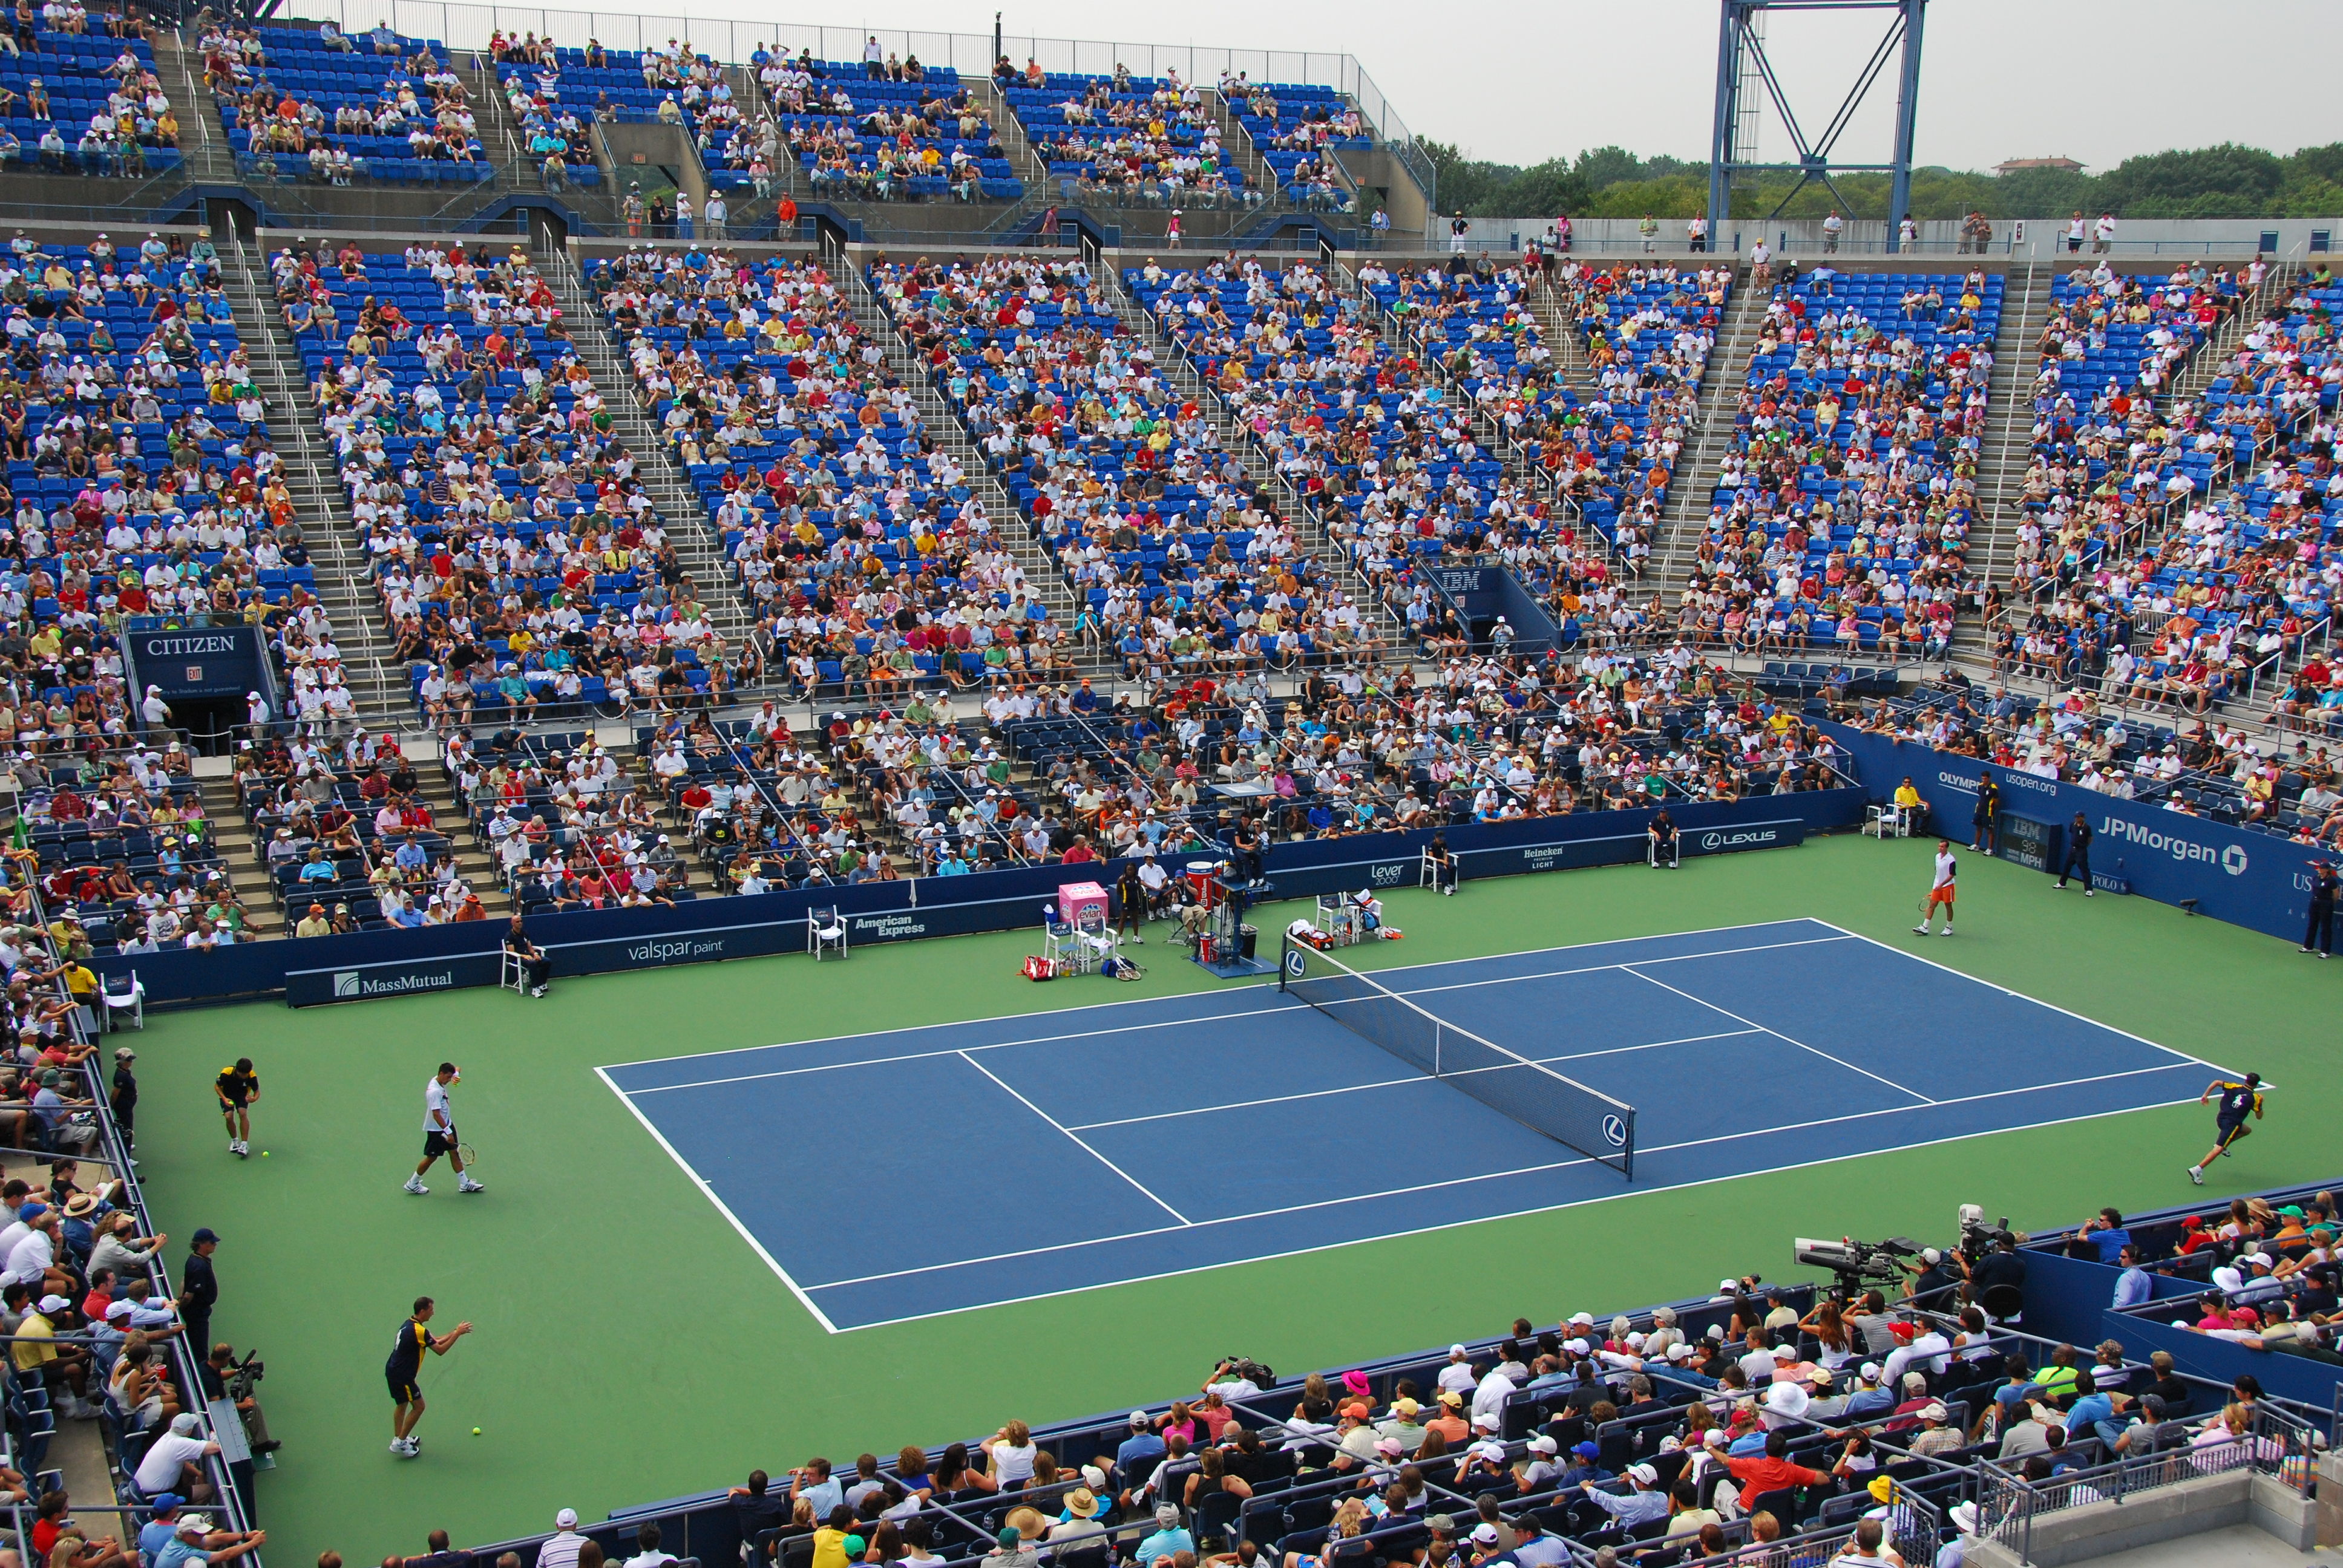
column 1743, row 71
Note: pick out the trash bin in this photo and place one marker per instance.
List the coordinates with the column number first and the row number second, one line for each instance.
column 1248, row 940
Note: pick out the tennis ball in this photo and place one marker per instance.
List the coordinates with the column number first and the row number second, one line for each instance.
column 476, row 1432
column 264, row 1154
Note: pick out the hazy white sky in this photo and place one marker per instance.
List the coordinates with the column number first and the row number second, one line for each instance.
column 1521, row 83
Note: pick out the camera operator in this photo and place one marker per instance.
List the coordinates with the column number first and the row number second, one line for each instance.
column 226, row 1378
column 2003, row 1266
column 1932, row 1278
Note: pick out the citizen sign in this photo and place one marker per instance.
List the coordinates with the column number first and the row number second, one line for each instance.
column 184, row 647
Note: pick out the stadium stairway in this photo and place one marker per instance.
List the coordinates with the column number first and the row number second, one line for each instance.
column 1237, row 142
column 1010, row 135
column 1044, row 576
column 2009, row 437
column 473, row 862
column 1307, row 526
column 689, row 528
column 202, row 141
column 241, row 849
column 378, row 686
column 2205, row 365
column 1720, row 396
column 1555, row 309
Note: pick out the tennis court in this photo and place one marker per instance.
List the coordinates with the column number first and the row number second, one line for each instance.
column 897, row 1175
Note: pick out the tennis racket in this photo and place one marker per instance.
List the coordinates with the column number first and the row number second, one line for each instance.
column 464, row 1149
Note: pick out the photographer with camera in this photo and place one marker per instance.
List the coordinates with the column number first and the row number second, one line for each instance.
column 226, row 1378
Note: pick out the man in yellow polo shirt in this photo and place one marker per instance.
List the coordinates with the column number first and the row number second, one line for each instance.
column 1910, row 809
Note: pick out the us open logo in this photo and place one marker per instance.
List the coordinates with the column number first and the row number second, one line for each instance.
column 1614, row 1130
column 1295, row 964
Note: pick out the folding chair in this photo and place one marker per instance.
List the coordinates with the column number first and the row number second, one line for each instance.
column 511, row 973
column 124, row 1001
column 825, row 933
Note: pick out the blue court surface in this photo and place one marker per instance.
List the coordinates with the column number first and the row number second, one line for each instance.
column 1059, row 1151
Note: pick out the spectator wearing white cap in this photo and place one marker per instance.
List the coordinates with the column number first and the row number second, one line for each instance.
column 192, row 1539
column 1538, row 1464
column 1934, row 1436
column 1489, row 1395
column 1783, row 1404
column 173, row 1463
column 1643, row 1503
column 1869, row 1399
column 1167, row 1539
column 1458, row 1376
column 1963, row 1517
column 560, row 1549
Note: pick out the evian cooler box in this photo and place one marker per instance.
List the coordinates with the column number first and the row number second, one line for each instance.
column 1076, row 898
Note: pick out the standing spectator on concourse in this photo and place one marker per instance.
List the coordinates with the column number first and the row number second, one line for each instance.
column 199, row 1286
column 2320, row 932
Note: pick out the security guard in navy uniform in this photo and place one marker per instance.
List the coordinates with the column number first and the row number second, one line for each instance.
column 2078, row 853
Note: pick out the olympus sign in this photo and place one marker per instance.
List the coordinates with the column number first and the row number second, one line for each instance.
column 2232, row 858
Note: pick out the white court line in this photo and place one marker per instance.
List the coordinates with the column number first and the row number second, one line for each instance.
column 1599, row 969
column 1250, row 1104
column 1085, row 1148
column 1399, row 1082
column 1531, row 1170
column 948, row 1050
column 1160, row 1000
column 721, row 1207
column 2037, row 1002
column 1184, row 1022
column 1777, row 1034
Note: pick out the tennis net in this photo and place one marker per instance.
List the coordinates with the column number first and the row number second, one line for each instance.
column 1586, row 1119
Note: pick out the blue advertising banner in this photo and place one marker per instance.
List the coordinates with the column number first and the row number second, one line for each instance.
column 371, row 965
column 2255, row 879
column 198, row 661
column 1481, row 593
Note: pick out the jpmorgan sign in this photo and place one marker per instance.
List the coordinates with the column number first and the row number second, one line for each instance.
column 2259, row 880
column 2158, row 840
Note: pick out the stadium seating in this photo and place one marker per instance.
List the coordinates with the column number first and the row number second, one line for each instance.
column 1889, row 1417
column 912, row 134
column 1159, row 531
column 1843, row 513
column 940, row 602
column 520, row 567
column 140, row 479
column 1293, row 126
column 1124, row 139
column 89, row 103
column 297, row 105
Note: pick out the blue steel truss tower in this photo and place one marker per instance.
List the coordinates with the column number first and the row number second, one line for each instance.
column 1743, row 71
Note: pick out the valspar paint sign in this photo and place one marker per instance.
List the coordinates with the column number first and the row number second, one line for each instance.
column 2255, row 879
